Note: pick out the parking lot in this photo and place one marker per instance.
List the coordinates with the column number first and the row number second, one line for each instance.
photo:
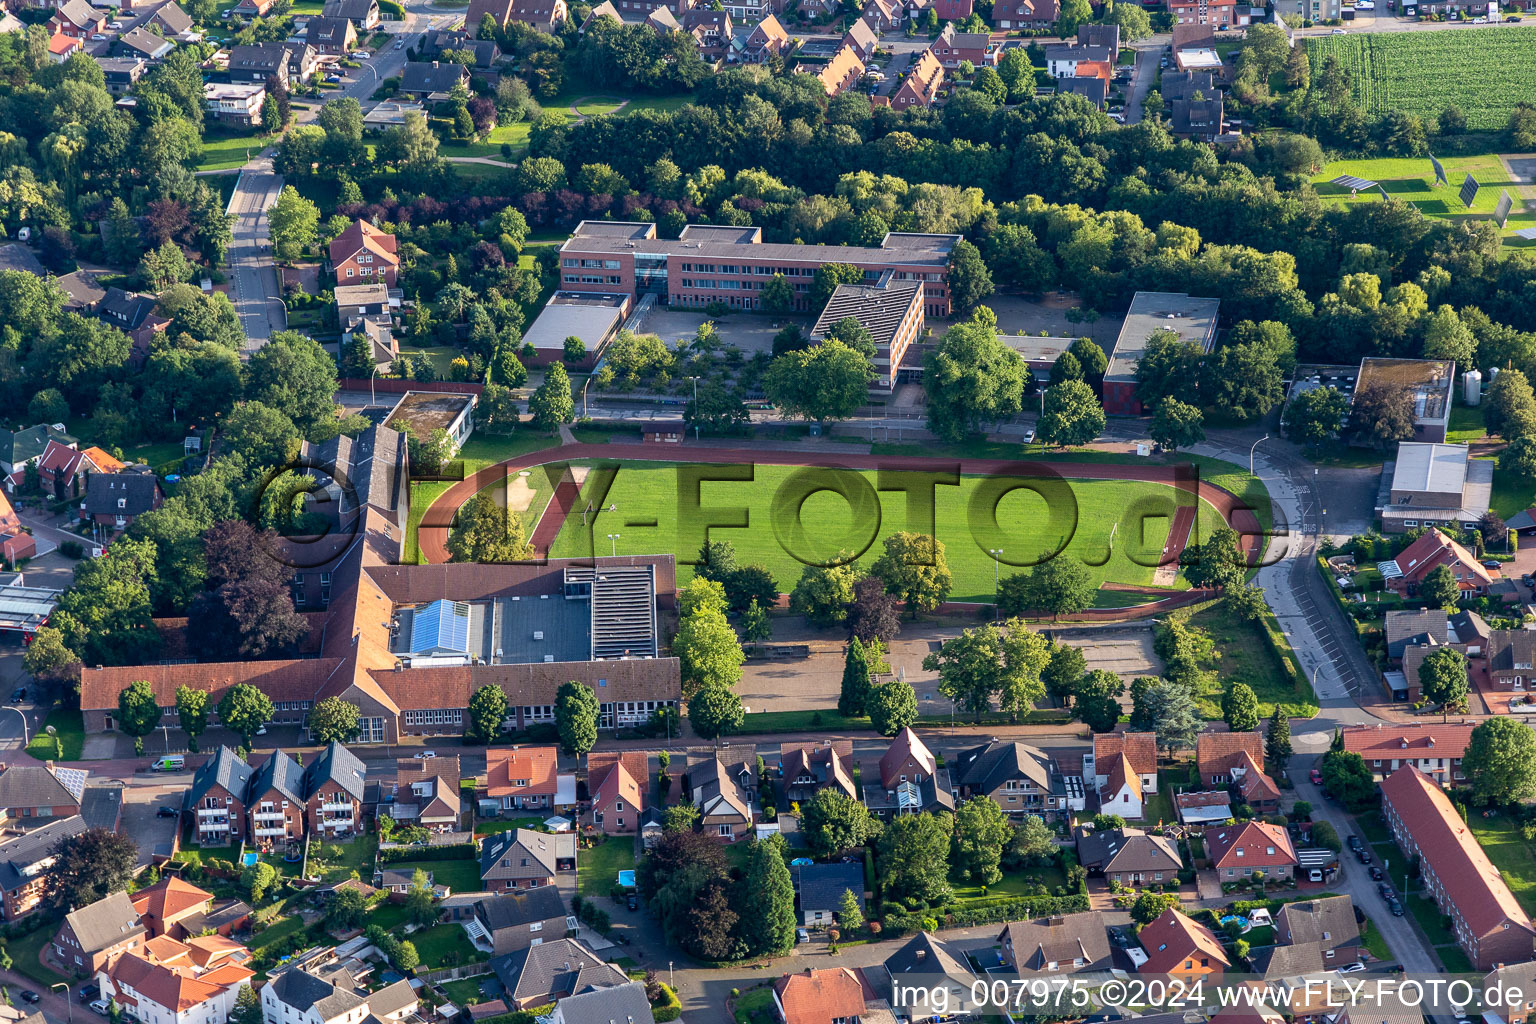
column 140, row 804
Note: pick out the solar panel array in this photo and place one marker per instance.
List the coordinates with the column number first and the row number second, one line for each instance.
column 1353, row 183
column 1469, row 191
column 1506, row 203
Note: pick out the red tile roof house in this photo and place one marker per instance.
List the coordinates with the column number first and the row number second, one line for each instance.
column 834, row 995
column 163, row 907
column 1237, row 852
column 363, row 253
column 953, row 10
column 618, row 783
column 521, row 778
column 1217, row 754
column 811, row 767
column 77, row 20
column 1434, row 749
column 1488, row 923
column 1178, row 946
column 62, row 466
column 15, row 543
column 1122, row 770
column 1433, row 549
column 925, row 77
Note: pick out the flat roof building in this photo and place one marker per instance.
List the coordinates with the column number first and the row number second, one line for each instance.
column 426, row 411
column 594, row 317
column 719, row 263
column 892, row 312
column 1433, row 485
column 1192, row 318
column 1427, row 381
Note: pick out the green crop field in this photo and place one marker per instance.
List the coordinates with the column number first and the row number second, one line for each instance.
column 1412, row 179
column 647, row 517
column 1484, row 71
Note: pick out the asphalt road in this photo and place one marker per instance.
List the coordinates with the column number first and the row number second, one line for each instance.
column 256, row 293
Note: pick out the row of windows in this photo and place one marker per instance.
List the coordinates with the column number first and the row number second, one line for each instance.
column 435, row 716
column 592, row 279
column 591, row 264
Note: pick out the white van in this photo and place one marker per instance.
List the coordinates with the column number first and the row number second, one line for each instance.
column 171, row 763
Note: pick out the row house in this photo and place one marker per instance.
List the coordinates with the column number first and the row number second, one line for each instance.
column 92, row 935
column 882, row 15
column 330, row 994
column 925, row 78
column 24, row 864
column 277, row 802
column 1019, row 778
column 1434, row 749
column 724, row 789
column 426, row 793
column 32, row 794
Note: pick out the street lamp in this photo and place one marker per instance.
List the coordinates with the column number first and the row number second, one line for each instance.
column 613, row 540
column 695, row 407
column 373, row 397
column 997, row 554
column 25, row 738
column 1251, row 451
column 69, row 1003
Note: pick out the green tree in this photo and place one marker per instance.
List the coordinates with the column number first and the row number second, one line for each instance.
column 1090, row 359
column 1095, row 702
column 1240, row 707
column 756, row 626
column 1443, row 678
column 768, row 915
column 87, row 867
column 715, row 711
column 487, row 532
column 292, row 222
column 265, row 436
column 1132, row 19
column 1519, row 458
column 833, row 822
column 1176, row 425
column 914, row 856
column 826, row 279
column 827, row 382
column 1246, row 601
column 192, row 709
column 1277, row 740
column 1439, row 588
column 138, row 712
column 406, row 957
column 487, row 708
column 1072, row 414
column 824, row 593
column 680, row 818
column 574, row 350
column 333, row 720
column 1150, row 906
column 551, row 404
column 986, row 661
column 345, row 910
column 1509, row 407
column 848, row 913
column 707, row 648
column 1060, row 585
column 973, row 379
column 248, row 1005
column 245, row 709
column 969, row 279
column 576, row 712
column 1218, row 562
column 1168, row 710
column 1348, row 780
column 854, row 695
column 777, row 296
column 256, row 879
column 420, row 909
column 1500, row 761
column 892, row 707
column 1065, row 670
column 913, row 568
column 294, row 374
column 981, row 833
column 1033, row 842
column 46, row 659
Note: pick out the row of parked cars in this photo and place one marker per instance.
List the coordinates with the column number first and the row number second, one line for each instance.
column 1379, row 876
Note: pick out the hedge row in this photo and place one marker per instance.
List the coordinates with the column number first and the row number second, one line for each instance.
column 454, row 851
column 898, row 922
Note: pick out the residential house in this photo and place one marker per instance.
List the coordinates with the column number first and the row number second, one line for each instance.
column 363, row 14
column 1089, row 87
column 124, row 309
column 398, row 881
column 544, row 15
column 1070, row 60
column 862, row 39
column 811, row 767
column 1428, row 627
column 928, row 964
column 24, row 861
column 62, row 47
column 1122, row 770
column 1216, row 13
column 31, row 794
column 16, row 543
column 77, row 20
column 24, row 446
column 907, row 779
column 1014, row 15
column 517, row 920
column 92, row 935
column 618, row 782
column 330, row 36
column 1498, row 1006
column 102, row 806
column 953, row 46
column 606, row 1004
column 925, row 77
column 1198, row 120
column 723, row 793
column 302, row 994
column 1329, row 922
column 62, row 468
column 768, row 38
column 882, row 15
column 167, row 906
column 426, row 793
column 1436, row 749
column 821, row 888
column 362, row 251
column 840, row 72
column 421, row 80
column 521, row 778
column 550, row 971
column 114, row 500
column 163, row 981
column 144, row 44
column 234, row 102
column 223, row 918
column 1511, row 654
column 173, row 21
column 1019, row 778
column 256, row 62
column 1486, row 919
column 1181, row 947
column 333, row 793
column 216, row 799
column 275, row 802
column 833, row 995
column 121, row 74
column 524, row 859
column 663, row 22
column 1106, row 35
column 254, row 8
column 602, row 10
column 485, row 51
column 712, row 31
column 1252, row 848
column 953, row 10
column 1129, row 856
column 1431, row 483
column 1431, row 550
column 1219, row 754
column 1257, row 789
column 1057, row 945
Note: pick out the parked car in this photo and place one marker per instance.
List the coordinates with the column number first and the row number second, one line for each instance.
column 1385, row 888
column 1364, row 855
column 89, row 992
column 166, row 811
column 115, row 24
column 101, row 1005
column 18, row 695
column 425, row 755
column 1493, row 564
column 1316, row 777
column 1338, row 32
column 801, row 935
column 400, row 45
column 632, row 901
column 1396, row 908
column 1355, row 844
column 98, row 37
column 1365, row 5
column 1376, row 874
column 28, row 996
column 1351, row 968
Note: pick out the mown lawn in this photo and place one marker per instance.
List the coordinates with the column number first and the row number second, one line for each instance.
column 1466, row 425
column 457, row 875
column 68, row 740
column 24, row 955
column 281, row 928
column 222, row 151
column 1501, row 840
column 1413, row 180
column 1012, row 885
column 444, row 945
column 1374, row 942
column 755, row 1006
column 597, row 869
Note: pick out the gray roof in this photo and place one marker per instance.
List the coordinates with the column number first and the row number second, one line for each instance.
column 1198, row 117
column 1129, row 849
column 821, row 886
column 720, row 242
column 15, row 256
column 391, row 999
column 136, row 489
column 356, row 10
column 1330, row 922
column 1193, row 318
column 592, row 318
column 226, row 912
column 554, row 968
column 541, row 903
column 1406, row 628
column 101, row 805
column 1508, row 647
column 1438, row 468
column 267, row 57
column 173, row 17
column 224, row 768
column 338, row 763
column 121, row 68
column 1275, row 962
column 29, row 785
column 986, row 767
column 279, row 772
column 1107, row 36
column 1089, row 87
column 126, row 309
column 608, row 1005
column 537, row 847
column 145, row 42
column 1059, row 940
column 1468, row 626
column 107, row 921
column 325, row 31
column 22, row 853
column 879, row 310
column 430, row 78
column 370, row 468
column 1181, row 85
column 924, row 961
column 331, row 996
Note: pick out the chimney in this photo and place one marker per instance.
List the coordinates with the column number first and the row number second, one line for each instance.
column 922, row 954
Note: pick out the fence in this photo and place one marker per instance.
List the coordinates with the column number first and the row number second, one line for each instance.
column 475, row 970
column 394, row 386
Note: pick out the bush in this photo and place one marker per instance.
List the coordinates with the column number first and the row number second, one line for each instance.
column 72, row 549
column 455, row 851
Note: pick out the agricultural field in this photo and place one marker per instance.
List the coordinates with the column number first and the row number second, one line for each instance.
column 826, row 523
column 1412, row 179
column 1484, row 71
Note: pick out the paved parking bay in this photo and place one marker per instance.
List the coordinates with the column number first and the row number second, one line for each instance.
column 140, row 821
